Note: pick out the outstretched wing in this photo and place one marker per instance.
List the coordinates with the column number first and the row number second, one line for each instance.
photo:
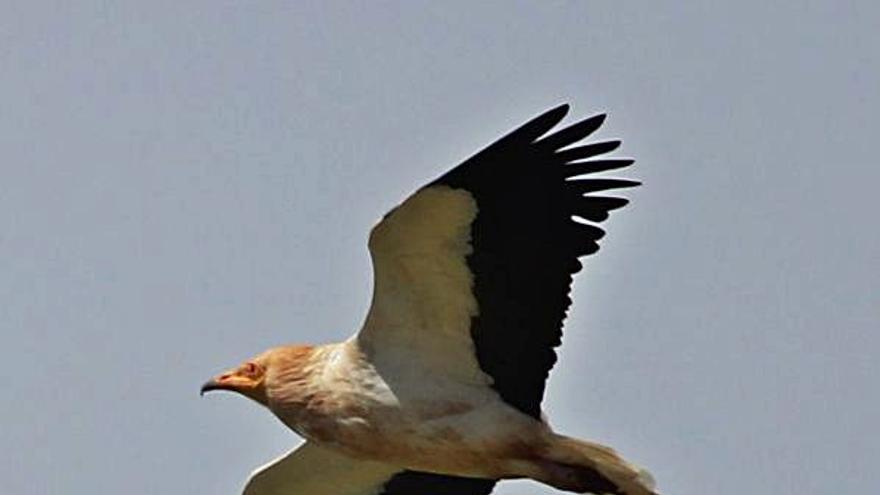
column 472, row 272
column 314, row 470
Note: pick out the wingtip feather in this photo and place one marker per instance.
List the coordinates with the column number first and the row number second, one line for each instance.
column 573, row 133
column 534, row 128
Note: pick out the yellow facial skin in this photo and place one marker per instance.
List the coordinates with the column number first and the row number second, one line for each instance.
column 248, row 380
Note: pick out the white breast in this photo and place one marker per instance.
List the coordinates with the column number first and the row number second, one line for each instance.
column 408, row 418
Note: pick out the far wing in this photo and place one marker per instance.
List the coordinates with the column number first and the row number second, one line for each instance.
column 419, row 483
column 472, row 272
column 314, row 470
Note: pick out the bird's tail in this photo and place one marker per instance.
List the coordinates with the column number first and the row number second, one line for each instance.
column 586, row 467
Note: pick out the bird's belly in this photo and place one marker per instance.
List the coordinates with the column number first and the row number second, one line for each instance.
column 421, row 421
column 454, row 437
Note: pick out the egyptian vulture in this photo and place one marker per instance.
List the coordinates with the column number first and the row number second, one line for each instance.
column 439, row 393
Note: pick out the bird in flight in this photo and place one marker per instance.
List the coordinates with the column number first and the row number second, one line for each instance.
column 439, row 392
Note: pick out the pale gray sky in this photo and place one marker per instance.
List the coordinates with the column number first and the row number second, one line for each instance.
column 185, row 185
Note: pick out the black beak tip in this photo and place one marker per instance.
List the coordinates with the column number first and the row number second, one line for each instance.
column 208, row 386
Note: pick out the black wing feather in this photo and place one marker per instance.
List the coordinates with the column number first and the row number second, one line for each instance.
column 576, row 169
column 419, row 483
column 526, row 241
column 571, row 134
column 588, row 151
column 596, row 208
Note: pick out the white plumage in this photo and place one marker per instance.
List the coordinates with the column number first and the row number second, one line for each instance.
column 439, row 393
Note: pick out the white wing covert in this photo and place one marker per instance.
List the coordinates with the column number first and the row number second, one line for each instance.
column 314, row 470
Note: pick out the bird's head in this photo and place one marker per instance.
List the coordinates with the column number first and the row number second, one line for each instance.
column 255, row 377
column 248, row 379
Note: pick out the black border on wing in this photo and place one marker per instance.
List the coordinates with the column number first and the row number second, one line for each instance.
column 537, row 214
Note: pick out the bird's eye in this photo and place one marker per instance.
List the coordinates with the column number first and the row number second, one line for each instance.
column 250, row 368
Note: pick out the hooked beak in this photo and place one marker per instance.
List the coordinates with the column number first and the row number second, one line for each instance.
column 244, row 380
column 212, row 384
column 230, row 381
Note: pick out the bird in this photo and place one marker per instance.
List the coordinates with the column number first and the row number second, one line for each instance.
column 439, row 392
